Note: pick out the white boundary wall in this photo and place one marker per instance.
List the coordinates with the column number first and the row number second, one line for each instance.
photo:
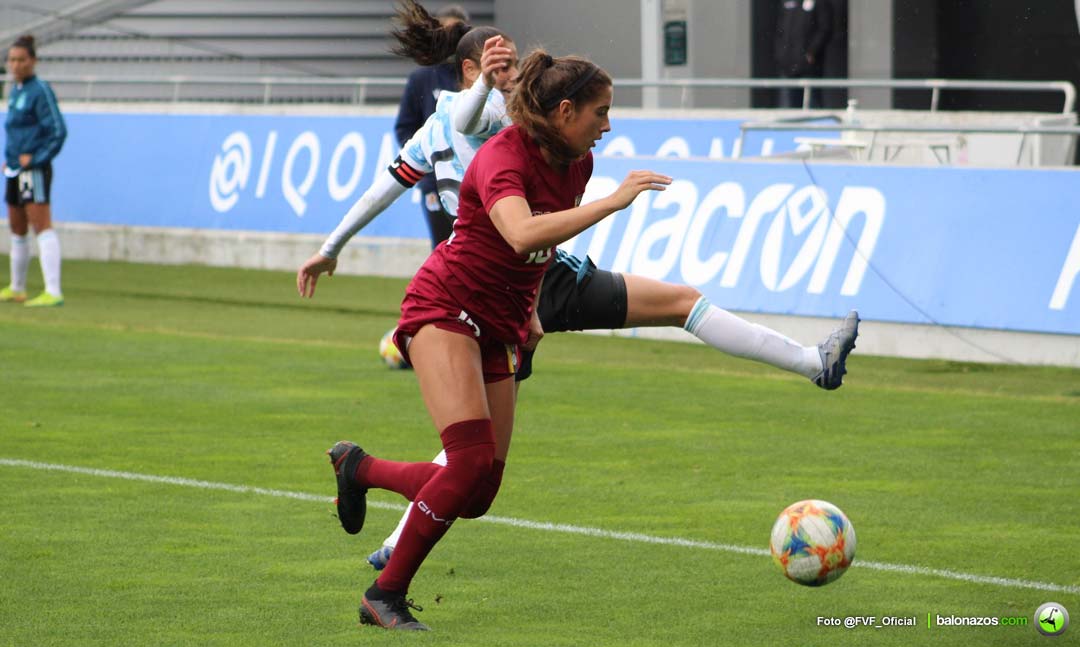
column 398, row 257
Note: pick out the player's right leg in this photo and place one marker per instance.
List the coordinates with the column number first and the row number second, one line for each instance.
column 449, row 367
column 18, row 223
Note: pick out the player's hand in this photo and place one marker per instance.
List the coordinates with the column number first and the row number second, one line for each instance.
column 308, row 274
column 536, row 333
column 496, row 57
column 25, row 159
column 634, row 184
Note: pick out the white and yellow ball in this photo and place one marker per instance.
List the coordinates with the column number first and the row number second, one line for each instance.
column 389, row 352
column 813, row 542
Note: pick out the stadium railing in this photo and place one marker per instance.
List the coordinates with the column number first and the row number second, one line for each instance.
column 269, row 89
column 1023, row 131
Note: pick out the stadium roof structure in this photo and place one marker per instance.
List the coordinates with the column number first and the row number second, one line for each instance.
column 163, row 38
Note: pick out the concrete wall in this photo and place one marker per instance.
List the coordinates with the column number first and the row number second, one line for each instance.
column 870, row 33
column 720, row 48
column 401, row 257
column 609, row 32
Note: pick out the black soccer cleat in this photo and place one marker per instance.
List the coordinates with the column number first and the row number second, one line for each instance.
column 389, row 610
column 351, row 498
column 834, row 352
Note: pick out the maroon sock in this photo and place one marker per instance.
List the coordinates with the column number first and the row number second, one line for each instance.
column 485, row 493
column 470, row 450
column 404, row 478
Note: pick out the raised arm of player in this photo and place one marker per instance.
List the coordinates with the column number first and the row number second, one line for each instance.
column 514, row 220
column 471, row 113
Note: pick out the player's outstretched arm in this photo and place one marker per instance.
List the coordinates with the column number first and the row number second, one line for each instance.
column 388, row 187
column 513, row 218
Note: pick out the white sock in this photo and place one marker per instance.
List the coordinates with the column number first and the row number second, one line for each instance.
column 392, row 540
column 20, row 261
column 724, row 331
column 49, row 251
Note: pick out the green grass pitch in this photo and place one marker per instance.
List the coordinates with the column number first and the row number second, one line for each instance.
column 226, row 376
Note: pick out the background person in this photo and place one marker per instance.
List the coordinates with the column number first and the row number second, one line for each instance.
column 803, row 28
column 422, row 90
column 35, row 133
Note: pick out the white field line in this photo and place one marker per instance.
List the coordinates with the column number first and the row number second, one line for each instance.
column 546, row 526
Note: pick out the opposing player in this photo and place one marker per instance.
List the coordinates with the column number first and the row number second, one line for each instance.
column 471, row 306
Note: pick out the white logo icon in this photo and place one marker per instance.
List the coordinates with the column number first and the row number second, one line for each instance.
column 1068, row 275
column 230, row 171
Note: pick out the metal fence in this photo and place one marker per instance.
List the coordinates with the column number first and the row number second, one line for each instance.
column 364, row 90
column 868, row 146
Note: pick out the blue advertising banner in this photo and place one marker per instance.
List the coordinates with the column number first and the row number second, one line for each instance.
column 285, row 173
column 967, row 247
column 983, row 248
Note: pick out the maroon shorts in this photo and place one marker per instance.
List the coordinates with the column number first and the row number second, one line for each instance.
column 426, row 303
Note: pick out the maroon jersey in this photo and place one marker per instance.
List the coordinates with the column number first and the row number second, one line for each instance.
column 495, row 285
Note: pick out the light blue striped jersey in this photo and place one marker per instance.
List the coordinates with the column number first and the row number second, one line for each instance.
column 438, row 148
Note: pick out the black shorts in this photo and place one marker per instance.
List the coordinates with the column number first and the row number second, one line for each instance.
column 576, row 295
column 33, row 186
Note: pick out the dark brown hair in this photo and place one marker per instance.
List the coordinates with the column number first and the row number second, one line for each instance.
column 424, row 39
column 26, row 41
column 455, row 11
column 543, row 84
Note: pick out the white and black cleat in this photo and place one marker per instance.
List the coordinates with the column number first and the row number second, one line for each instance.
column 834, row 352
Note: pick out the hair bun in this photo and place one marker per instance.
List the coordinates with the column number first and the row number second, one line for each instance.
column 547, row 60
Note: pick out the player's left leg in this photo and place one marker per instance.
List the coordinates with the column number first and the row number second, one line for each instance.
column 502, row 399
column 601, row 300
column 654, row 303
column 40, row 218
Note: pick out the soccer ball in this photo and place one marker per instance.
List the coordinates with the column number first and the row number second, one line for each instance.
column 389, row 352
column 813, row 542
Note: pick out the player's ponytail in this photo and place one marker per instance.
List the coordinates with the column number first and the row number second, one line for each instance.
column 544, row 83
column 422, row 37
column 427, row 41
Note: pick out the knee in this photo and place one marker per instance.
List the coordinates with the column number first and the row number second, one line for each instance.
column 686, row 298
column 470, row 450
column 478, row 460
column 485, row 493
column 472, row 463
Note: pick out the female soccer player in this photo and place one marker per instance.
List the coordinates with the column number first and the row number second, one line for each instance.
column 471, row 306
column 35, row 132
column 577, row 295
